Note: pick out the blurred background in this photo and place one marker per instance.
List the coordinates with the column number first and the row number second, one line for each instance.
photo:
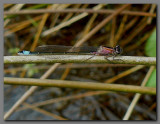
column 34, row 25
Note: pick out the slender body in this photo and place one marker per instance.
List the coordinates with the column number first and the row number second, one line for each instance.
column 59, row 49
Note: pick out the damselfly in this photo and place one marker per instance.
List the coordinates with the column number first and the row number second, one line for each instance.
column 59, row 49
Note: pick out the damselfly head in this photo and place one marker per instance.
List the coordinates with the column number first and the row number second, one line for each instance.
column 118, row 49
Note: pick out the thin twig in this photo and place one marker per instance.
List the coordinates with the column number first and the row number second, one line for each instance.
column 120, row 30
column 153, row 7
column 79, row 85
column 43, row 67
column 54, row 116
column 80, row 59
column 113, row 30
column 102, row 11
column 125, row 73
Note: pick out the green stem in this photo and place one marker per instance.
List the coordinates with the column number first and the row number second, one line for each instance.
column 79, row 85
column 80, row 59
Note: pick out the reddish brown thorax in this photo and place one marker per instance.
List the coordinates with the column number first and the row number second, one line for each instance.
column 103, row 51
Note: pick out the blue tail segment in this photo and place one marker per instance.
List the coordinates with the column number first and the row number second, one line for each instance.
column 24, row 52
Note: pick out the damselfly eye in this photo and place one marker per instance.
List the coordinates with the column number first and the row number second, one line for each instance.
column 118, row 49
